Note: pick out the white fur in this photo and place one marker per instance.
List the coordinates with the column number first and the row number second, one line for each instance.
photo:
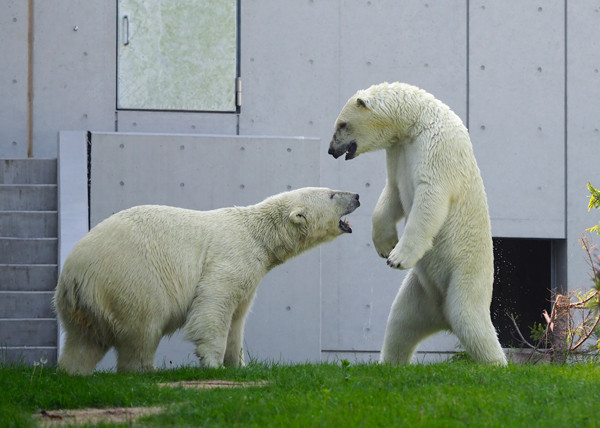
column 433, row 181
column 149, row 270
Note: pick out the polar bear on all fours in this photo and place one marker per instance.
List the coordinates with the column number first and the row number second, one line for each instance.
column 149, row 270
column 434, row 182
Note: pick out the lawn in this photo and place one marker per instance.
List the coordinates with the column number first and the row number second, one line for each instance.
column 448, row 394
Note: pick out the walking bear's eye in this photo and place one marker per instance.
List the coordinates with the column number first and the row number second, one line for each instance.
column 342, row 125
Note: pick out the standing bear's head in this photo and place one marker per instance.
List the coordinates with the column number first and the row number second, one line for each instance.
column 373, row 119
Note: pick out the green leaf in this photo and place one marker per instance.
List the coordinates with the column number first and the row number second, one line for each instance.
column 594, row 229
column 594, row 197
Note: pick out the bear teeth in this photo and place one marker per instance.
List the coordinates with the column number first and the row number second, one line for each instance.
column 345, row 226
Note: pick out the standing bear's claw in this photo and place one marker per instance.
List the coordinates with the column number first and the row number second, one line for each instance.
column 394, row 265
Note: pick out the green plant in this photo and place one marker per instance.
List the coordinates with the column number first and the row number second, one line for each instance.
column 594, row 203
column 39, row 364
column 537, row 332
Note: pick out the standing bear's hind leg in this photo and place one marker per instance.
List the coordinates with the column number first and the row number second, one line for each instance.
column 412, row 318
column 470, row 320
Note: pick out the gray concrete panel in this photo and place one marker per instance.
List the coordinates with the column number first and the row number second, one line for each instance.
column 517, row 113
column 197, row 172
column 419, row 43
column 289, row 67
column 13, row 79
column 583, row 91
column 176, row 122
column 75, row 69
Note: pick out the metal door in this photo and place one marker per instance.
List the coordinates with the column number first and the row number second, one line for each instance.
column 177, row 55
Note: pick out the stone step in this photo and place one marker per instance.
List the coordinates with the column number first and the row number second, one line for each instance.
column 26, row 305
column 28, row 251
column 28, row 340
column 28, row 171
column 28, row 224
column 28, row 197
column 22, row 277
column 29, row 355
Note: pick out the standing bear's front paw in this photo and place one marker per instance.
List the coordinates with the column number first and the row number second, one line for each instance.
column 399, row 259
column 384, row 239
column 385, row 246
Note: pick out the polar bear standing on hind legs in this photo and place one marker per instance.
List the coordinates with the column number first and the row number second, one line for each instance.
column 434, row 182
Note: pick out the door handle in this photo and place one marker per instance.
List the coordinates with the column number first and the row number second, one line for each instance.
column 125, row 30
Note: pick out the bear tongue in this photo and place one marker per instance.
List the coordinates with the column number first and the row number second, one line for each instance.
column 345, row 226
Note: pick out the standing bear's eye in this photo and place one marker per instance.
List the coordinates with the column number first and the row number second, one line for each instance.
column 342, row 125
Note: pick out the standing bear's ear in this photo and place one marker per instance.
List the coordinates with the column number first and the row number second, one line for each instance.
column 363, row 102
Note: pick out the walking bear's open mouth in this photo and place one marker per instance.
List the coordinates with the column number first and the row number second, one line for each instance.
column 345, row 226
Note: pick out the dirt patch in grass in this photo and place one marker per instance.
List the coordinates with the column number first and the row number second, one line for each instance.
column 210, row 384
column 128, row 414
column 93, row 416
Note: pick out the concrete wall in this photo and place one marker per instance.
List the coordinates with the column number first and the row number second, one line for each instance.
column 523, row 76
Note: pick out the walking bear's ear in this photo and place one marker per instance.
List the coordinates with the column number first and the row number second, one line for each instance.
column 297, row 216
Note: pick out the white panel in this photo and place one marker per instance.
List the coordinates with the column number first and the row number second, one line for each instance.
column 516, row 113
column 72, row 191
column 206, row 172
column 72, row 195
column 177, row 55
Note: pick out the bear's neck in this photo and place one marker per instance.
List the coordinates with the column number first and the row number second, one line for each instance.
column 415, row 104
column 268, row 225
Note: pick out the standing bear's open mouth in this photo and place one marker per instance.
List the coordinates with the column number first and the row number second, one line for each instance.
column 348, row 149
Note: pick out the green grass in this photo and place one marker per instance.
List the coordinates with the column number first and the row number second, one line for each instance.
column 445, row 395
